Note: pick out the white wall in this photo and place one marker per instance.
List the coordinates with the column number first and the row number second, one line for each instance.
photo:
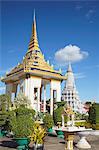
column 30, row 84
column 8, row 88
column 56, row 85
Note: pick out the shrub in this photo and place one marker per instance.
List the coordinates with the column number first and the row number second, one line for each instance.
column 58, row 115
column 3, row 118
column 94, row 115
column 22, row 126
column 22, row 122
column 48, row 121
column 22, row 110
column 5, row 103
column 59, row 104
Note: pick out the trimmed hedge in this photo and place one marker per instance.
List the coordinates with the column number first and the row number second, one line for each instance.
column 94, row 114
column 48, row 121
column 58, row 115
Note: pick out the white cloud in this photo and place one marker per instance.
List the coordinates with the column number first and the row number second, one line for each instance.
column 70, row 53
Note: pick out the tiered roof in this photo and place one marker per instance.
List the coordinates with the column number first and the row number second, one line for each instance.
column 33, row 62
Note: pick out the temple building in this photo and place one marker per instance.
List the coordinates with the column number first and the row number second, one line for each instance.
column 32, row 76
column 69, row 93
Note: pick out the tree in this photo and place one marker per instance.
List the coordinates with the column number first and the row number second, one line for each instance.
column 92, row 114
column 97, row 113
column 5, row 104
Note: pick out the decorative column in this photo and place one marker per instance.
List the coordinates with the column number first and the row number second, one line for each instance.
column 69, row 137
column 62, row 120
column 18, row 89
column 73, row 122
column 71, row 103
column 38, row 99
column 44, row 98
column 51, row 102
column 30, row 92
column 26, row 87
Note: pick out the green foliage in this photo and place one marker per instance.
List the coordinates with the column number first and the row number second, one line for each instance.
column 48, row 121
column 96, row 105
column 3, row 118
column 78, row 116
column 5, row 103
column 37, row 134
column 22, row 121
column 60, row 104
column 58, row 115
column 22, row 126
column 22, row 111
column 92, row 115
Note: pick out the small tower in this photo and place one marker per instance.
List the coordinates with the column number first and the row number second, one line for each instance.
column 69, row 93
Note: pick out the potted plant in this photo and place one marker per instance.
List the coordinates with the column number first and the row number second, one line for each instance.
column 21, row 125
column 48, row 122
column 3, row 123
column 37, row 136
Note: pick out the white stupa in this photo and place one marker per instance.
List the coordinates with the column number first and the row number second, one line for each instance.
column 69, row 93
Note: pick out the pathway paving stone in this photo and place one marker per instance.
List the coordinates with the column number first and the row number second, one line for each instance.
column 51, row 143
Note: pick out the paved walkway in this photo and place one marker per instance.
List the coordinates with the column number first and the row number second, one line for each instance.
column 51, row 143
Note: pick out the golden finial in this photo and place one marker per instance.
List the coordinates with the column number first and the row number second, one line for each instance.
column 33, row 45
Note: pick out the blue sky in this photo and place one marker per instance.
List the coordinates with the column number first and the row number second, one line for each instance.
column 59, row 24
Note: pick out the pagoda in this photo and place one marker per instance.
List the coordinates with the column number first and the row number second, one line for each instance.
column 70, row 93
column 32, row 75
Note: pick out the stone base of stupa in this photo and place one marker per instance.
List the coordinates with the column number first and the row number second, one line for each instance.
column 83, row 144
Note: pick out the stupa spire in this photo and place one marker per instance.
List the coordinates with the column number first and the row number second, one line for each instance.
column 69, row 67
column 33, row 45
